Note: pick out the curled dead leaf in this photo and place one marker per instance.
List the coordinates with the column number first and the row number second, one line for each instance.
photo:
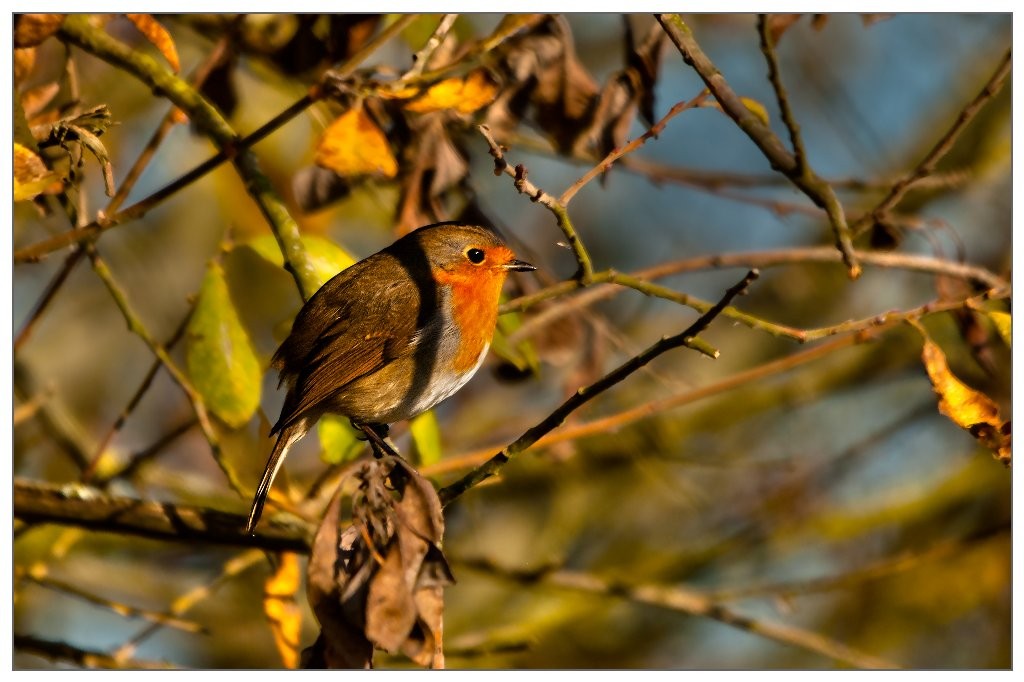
column 31, row 176
column 967, row 408
column 354, row 145
column 158, row 35
column 379, row 582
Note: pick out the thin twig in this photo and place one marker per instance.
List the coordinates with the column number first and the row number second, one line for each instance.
column 524, row 186
column 819, row 191
column 584, row 395
column 121, row 609
column 775, row 78
column 652, row 408
column 234, row 567
column 940, row 149
column 691, row 602
column 61, row 651
column 420, row 59
column 614, row 155
column 136, row 326
column 147, row 381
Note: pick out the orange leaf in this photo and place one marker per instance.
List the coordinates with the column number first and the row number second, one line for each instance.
column 464, row 95
column 967, row 408
column 24, row 61
column 32, row 29
column 354, row 145
column 31, row 176
column 158, row 35
column 282, row 609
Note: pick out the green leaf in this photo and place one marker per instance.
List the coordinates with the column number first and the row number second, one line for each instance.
column 523, row 355
column 1003, row 322
column 338, row 439
column 328, row 258
column 219, row 354
column 426, row 437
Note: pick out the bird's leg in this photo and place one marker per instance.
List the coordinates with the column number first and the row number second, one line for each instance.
column 377, row 434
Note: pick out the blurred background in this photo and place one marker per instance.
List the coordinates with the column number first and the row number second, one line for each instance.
column 828, row 497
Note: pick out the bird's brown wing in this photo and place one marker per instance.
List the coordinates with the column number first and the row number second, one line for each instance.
column 353, row 329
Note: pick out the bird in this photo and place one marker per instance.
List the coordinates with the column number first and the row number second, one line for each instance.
column 391, row 336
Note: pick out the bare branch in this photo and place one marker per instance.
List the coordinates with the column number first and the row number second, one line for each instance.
column 685, row 600
column 819, row 191
column 584, row 395
column 60, row 651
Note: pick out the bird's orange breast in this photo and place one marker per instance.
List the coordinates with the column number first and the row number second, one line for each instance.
column 473, row 294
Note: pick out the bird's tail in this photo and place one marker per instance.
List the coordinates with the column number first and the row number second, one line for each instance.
column 285, row 439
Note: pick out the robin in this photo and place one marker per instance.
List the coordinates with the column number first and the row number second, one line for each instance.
column 391, row 336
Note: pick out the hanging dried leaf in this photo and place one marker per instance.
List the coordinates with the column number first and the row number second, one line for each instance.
column 281, row 607
column 354, row 145
column 31, row 176
column 158, row 35
column 326, row 257
column 315, row 187
column 336, row 589
column 967, row 408
column 612, row 117
column 219, row 354
column 32, row 29
column 464, row 95
column 645, row 59
column 380, row 581
column 435, row 165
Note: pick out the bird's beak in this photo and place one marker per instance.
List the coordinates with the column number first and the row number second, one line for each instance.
column 519, row 266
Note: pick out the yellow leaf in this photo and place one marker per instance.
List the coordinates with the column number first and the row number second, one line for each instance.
column 426, row 437
column 756, row 108
column 158, row 35
column 464, row 95
column 752, row 105
column 1003, row 322
column 354, row 145
column 31, row 176
column 967, row 408
column 282, row 609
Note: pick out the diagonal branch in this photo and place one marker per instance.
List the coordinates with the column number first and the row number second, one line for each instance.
column 585, row 394
column 817, row 189
column 939, row 150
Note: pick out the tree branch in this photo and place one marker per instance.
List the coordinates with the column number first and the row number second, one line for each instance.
column 584, row 395
column 86, row 507
column 684, row 600
column 60, row 651
column 819, row 191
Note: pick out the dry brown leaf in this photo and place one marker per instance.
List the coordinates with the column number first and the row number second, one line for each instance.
column 435, row 165
column 354, row 145
column 464, row 95
column 967, row 408
column 24, row 62
column 644, row 58
column 381, row 579
column 282, row 609
column 32, row 29
column 31, row 176
column 158, row 35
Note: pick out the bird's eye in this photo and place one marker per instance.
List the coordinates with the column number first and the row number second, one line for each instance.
column 475, row 256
